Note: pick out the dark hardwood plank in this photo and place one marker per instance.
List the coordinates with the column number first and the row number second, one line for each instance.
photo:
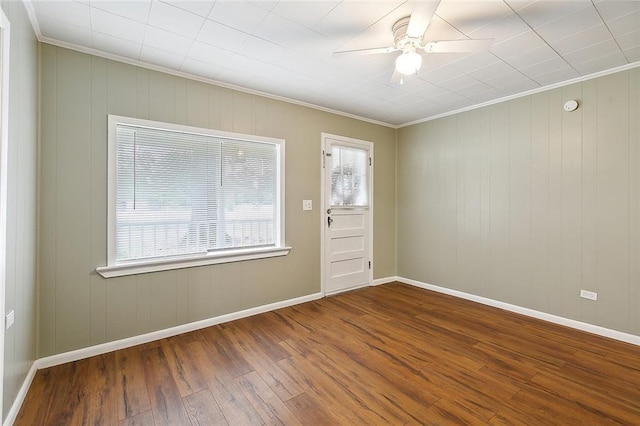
column 266, row 403
column 142, row 419
column 392, row 354
column 166, row 404
column 131, row 390
column 185, row 360
column 203, row 409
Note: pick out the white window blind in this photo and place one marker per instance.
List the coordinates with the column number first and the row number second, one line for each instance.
column 182, row 193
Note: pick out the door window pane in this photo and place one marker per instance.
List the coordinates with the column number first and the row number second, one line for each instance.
column 349, row 183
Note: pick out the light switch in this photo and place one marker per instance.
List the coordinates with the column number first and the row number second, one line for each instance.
column 307, row 205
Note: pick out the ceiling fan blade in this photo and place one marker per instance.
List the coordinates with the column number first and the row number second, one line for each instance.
column 370, row 51
column 458, row 46
column 421, row 16
column 396, row 77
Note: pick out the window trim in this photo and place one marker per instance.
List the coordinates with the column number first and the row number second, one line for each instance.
column 113, row 269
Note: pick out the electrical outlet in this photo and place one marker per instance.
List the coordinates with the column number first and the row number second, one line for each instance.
column 10, row 319
column 591, row 295
column 307, row 205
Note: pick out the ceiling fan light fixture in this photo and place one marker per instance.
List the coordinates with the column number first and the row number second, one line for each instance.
column 409, row 62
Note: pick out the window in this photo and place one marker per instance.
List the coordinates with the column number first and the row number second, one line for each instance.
column 181, row 196
column 349, row 177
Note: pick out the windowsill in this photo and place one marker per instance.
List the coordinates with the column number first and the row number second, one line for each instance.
column 158, row 265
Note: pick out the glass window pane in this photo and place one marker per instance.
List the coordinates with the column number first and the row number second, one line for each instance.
column 349, row 180
column 181, row 193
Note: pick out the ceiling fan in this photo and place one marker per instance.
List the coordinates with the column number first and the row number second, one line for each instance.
column 409, row 38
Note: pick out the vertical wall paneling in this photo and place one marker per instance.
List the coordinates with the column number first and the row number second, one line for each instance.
column 540, row 285
column 78, row 308
column 613, row 199
column 552, row 292
column 197, row 108
column 499, row 201
column 120, row 305
column 448, row 200
column 547, row 200
column 48, row 195
column 20, row 340
column 73, row 204
column 589, row 197
column 98, row 215
column 634, row 201
column 571, row 203
column 469, row 202
column 519, row 195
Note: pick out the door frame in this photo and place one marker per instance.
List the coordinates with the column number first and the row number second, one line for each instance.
column 4, row 149
column 323, row 209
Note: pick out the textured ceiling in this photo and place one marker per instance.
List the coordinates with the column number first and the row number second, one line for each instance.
column 285, row 48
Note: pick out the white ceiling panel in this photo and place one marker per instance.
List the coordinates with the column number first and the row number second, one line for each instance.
column 612, row 9
column 632, row 54
column 502, row 29
column 161, row 39
column 117, row 26
column 611, row 60
column 472, row 15
column 538, row 13
column 210, row 54
column 556, row 76
column 349, row 18
column 493, row 70
column 72, row 13
column 629, row 40
column 137, row 10
column 279, row 30
column 115, row 45
column 625, row 24
column 174, row 19
column 305, row 13
column 241, row 15
column 588, row 53
column 518, row 44
column 63, row 31
column 457, row 83
column 475, row 61
column 541, row 68
column 161, row 57
column 582, row 20
column 579, row 40
column 193, row 66
column 531, row 57
column 285, row 48
column 198, row 7
column 220, row 35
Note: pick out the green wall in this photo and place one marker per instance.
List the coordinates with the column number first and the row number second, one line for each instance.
column 78, row 308
column 20, row 279
column 527, row 204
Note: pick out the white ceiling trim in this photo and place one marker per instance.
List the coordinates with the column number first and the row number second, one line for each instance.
column 527, row 93
column 34, row 22
column 182, row 74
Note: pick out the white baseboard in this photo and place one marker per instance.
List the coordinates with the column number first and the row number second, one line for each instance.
column 22, row 393
column 385, row 280
column 103, row 348
column 90, row 351
column 58, row 359
column 590, row 328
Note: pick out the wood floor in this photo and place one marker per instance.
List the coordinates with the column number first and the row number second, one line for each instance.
column 392, row 354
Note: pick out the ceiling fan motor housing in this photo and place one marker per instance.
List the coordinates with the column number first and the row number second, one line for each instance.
column 402, row 40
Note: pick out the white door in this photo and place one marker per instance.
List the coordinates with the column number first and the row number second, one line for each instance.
column 347, row 205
